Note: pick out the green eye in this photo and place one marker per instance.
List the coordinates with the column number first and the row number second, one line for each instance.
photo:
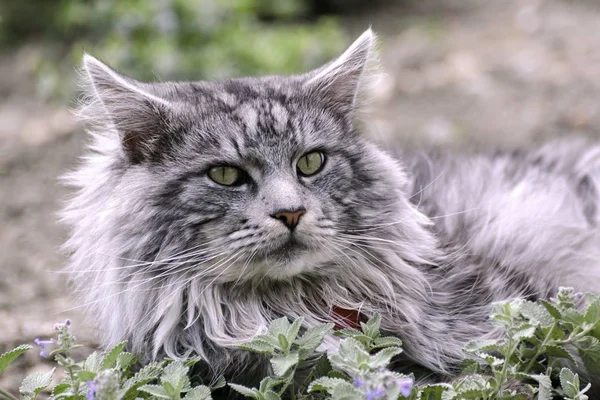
column 225, row 175
column 310, row 163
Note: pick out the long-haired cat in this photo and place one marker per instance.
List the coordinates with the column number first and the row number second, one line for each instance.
column 204, row 210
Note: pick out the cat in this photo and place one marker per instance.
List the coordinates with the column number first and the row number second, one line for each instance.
column 204, row 210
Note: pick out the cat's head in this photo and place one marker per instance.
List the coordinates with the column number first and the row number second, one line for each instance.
column 240, row 179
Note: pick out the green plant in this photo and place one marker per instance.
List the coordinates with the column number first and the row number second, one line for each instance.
column 538, row 347
column 172, row 39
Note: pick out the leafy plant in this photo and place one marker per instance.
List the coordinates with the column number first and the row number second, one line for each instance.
column 542, row 342
column 540, row 345
column 105, row 376
column 172, row 39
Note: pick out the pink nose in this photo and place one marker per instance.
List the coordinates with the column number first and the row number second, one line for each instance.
column 289, row 218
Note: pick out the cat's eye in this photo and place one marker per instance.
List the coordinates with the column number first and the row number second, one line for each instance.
column 226, row 175
column 310, row 163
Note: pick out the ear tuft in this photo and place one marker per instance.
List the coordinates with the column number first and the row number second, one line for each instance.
column 105, row 79
column 116, row 102
column 342, row 80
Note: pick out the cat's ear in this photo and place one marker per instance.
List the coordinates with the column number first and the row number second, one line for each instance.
column 130, row 107
column 342, row 81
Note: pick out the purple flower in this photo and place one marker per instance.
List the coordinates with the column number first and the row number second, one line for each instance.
column 373, row 394
column 61, row 325
column 358, row 382
column 92, row 390
column 406, row 386
column 43, row 344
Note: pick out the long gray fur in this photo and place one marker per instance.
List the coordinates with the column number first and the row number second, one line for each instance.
column 176, row 264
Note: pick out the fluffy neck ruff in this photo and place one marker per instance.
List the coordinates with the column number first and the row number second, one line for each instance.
column 211, row 319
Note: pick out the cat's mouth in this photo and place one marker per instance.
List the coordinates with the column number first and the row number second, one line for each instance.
column 287, row 250
column 286, row 257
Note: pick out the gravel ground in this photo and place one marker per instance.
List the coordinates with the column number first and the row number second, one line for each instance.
column 506, row 72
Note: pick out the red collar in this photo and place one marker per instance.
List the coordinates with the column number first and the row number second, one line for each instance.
column 343, row 318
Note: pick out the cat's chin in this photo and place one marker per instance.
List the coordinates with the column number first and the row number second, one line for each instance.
column 290, row 261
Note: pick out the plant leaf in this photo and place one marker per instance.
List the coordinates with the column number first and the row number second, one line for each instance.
column 271, row 395
column 592, row 313
column 269, row 383
column 325, row 384
column 348, row 332
column 198, row 393
column 589, row 350
column 243, row 390
column 36, row 382
column 536, row 313
column 551, row 308
column 284, row 344
column 93, row 363
column 313, row 337
column 60, row 389
column 558, row 351
column 573, row 316
column 383, row 357
column 351, row 354
column 545, row 386
column 292, row 332
column 371, row 328
column 146, row 374
column 84, row 375
column 175, row 374
column 110, row 358
column 471, row 394
column 282, row 363
column 433, row 392
column 277, row 327
column 257, row 346
column 387, row 341
column 569, row 382
column 155, row 390
column 125, row 360
column 524, row 333
column 475, row 346
column 10, row 356
column 219, row 383
column 345, row 391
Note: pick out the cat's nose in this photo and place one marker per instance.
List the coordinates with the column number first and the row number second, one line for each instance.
column 289, row 218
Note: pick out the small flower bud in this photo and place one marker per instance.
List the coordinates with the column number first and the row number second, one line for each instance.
column 358, row 382
column 406, row 386
column 373, row 394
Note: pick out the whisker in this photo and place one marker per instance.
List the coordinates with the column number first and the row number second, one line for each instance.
column 114, row 294
column 456, row 213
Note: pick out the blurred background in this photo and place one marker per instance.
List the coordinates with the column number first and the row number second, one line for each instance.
column 459, row 72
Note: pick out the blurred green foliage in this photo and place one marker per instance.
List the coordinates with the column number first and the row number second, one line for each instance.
column 171, row 39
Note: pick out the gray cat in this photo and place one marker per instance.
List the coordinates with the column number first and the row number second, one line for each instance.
column 204, row 210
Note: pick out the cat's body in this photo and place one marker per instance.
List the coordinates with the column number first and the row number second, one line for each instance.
column 170, row 259
column 531, row 215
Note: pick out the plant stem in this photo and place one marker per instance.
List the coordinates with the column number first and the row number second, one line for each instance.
column 572, row 337
column 507, row 357
column 7, row 395
column 540, row 349
column 290, row 381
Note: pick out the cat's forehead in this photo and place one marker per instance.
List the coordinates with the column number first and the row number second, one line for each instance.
column 260, row 131
column 259, row 118
column 266, row 118
column 255, row 122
